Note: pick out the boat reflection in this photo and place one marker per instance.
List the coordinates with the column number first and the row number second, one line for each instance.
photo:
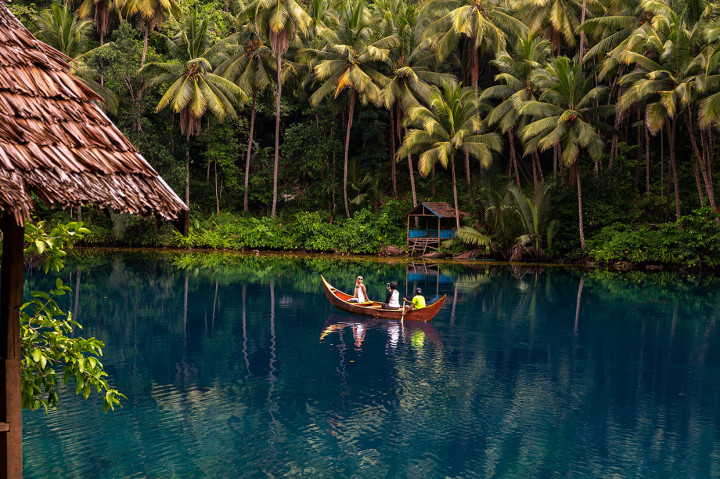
column 416, row 333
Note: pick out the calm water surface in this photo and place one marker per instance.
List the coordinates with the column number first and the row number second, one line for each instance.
column 237, row 366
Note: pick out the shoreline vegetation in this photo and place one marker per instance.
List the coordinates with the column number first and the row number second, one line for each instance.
column 688, row 246
column 314, row 125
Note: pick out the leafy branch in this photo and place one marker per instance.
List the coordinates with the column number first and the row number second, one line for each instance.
column 47, row 345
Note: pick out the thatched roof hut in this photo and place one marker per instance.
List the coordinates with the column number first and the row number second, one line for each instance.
column 433, row 223
column 57, row 144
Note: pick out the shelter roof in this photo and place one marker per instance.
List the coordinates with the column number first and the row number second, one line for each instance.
column 57, row 143
column 437, row 208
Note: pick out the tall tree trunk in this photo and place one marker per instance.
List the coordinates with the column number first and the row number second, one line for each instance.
column 187, row 181
column 673, row 166
column 277, row 134
column 647, row 161
column 392, row 153
column 699, row 158
column 700, row 161
column 474, row 71
column 535, row 177
column 639, row 155
column 706, row 138
column 536, row 157
column 145, row 40
column 412, row 177
column 580, row 210
column 246, row 205
column 467, row 168
column 698, row 183
column 582, row 34
column 513, row 159
column 432, row 182
column 102, row 76
column 457, row 208
column 616, row 125
column 347, row 150
column 662, row 165
column 217, row 196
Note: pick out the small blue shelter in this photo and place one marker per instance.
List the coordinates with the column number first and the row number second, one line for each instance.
column 434, row 222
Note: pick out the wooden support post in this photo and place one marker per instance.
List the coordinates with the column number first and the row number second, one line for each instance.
column 407, row 242
column 11, row 289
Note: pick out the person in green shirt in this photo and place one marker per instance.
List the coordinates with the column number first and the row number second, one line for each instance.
column 418, row 301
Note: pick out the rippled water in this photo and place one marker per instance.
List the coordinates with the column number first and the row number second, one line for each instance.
column 237, row 366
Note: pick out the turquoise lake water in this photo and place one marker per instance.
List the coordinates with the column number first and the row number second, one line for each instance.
column 237, row 366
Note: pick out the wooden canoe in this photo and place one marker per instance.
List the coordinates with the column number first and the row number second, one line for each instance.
column 374, row 308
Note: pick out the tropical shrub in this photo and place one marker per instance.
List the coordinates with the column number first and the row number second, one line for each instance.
column 692, row 241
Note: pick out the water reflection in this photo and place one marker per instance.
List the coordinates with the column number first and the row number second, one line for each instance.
column 234, row 363
column 415, row 333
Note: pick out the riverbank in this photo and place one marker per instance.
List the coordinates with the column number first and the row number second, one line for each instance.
column 693, row 243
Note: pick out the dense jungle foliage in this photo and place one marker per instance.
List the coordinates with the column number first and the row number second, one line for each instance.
column 565, row 128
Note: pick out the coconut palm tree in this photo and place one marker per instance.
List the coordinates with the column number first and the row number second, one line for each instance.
column 558, row 19
column 317, row 10
column 482, row 24
column 514, row 89
column 613, row 29
column 485, row 25
column 280, row 21
column 351, row 62
column 616, row 32
column 60, row 28
column 152, row 15
column 666, row 64
column 449, row 125
column 411, row 70
column 566, row 115
column 102, row 9
column 709, row 93
column 193, row 89
column 250, row 66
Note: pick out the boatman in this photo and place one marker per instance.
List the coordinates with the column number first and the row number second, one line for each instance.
column 418, row 301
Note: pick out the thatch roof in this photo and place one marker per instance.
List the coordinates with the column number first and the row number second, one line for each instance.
column 57, row 143
column 437, row 208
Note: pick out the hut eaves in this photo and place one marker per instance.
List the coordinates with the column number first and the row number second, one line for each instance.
column 438, row 208
column 57, row 143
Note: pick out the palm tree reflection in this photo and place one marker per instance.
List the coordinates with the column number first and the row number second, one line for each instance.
column 272, row 402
